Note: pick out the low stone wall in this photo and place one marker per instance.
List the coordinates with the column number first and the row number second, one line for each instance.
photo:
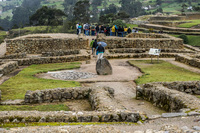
column 160, row 27
column 147, row 35
column 140, row 55
column 194, row 15
column 100, row 99
column 192, row 87
column 14, row 56
column 68, row 116
column 45, row 60
column 167, row 99
column 56, row 95
column 167, row 23
column 39, row 45
column 186, row 59
column 161, row 43
column 8, row 67
column 60, row 53
column 171, row 18
column 143, row 50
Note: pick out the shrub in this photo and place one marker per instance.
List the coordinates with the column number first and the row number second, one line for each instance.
column 184, row 37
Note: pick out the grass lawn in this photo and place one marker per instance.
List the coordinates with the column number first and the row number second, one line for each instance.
column 47, row 107
column 16, row 87
column 190, row 24
column 163, row 72
column 193, row 40
column 131, row 25
column 12, row 125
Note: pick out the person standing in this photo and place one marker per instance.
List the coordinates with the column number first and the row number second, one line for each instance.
column 97, row 29
column 93, row 30
column 95, row 45
column 107, row 30
column 77, row 31
column 79, row 28
column 129, row 30
column 87, row 29
column 91, row 45
column 84, row 28
column 125, row 31
column 100, row 51
column 113, row 30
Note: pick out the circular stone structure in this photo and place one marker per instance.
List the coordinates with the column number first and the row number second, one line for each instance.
column 72, row 75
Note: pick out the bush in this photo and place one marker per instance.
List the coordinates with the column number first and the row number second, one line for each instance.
column 118, row 22
column 184, row 37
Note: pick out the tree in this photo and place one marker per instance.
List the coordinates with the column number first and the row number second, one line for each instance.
column 111, row 9
column 97, row 2
column 118, row 22
column 183, row 7
column 158, row 2
column 47, row 16
column 81, row 11
column 68, row 7
column 132, row 7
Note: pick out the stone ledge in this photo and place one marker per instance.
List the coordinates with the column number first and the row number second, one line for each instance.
column 60, row 53
column 68, row 116
column 14, row 56
column 8, row 67
column 167, row 99
column 188, row 60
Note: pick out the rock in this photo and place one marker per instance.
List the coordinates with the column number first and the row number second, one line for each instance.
column 197, row 128
column 43, row 119
column 173, row 114
column 184, row 128
column 193, row 113
column 87, row 62
column 95, row 119
column 139, row 122
column 103, row 67
column 149, row 131
column 138, row 132
column 154, row 117
column 15, row 121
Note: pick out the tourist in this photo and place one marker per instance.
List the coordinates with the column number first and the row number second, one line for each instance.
column 92, row 30
column 77, row 31
column 133, row 30
column 113, row 31
column 95, row 45
column 97, row 29
column 87, row 29
column 102, row 29
column 84, row 28
column 116, row 29
column 125, row 31
column 136, row 30
column 129, row 30
column 91, row 45
column 107, row 30
column 100, row 51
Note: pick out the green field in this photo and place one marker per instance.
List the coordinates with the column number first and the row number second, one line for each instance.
column 163, row 72
column 193, row 40
column 190, row 24
column 47, row 107
column 2, row 36
column 16, row 87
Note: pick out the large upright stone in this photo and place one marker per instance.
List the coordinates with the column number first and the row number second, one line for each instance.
column 103, row 67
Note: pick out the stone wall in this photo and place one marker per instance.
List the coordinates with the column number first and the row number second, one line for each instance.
column 14, row 56
column 147, row 35
column 188, row 60
column 193, row 15
column 8, row 67
column 160, row 27
column 191, row 87
column 171, row 18
column 68, row 116
column 167, row 23
column 56, row 95
column 45, row 60
column 39, row 45
column 60, row 53
column 161, row 43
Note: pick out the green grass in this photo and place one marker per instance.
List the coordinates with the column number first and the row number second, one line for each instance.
column 190, row 24
column 131, row 25
column 2, row 36
column 193, row 40
column 12, row 125
column 163, row 72
column 48, row 107
column 16, row 87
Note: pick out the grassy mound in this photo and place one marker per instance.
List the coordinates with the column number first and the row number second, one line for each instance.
column 16, row 87
column 163, row 72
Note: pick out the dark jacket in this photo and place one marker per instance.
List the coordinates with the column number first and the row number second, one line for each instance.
column 129, row 30
column 95, row 44
column 100, row 49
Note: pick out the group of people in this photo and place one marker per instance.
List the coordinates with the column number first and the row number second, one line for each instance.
column 91, row 29
column 97, row 49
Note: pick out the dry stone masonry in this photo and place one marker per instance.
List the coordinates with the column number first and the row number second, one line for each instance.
column 169, row 99
column 60, row 53
column 7, row 67
column 39, row 45
column 191, row 60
